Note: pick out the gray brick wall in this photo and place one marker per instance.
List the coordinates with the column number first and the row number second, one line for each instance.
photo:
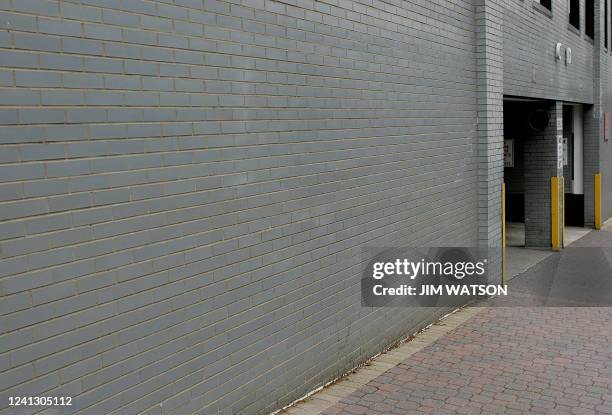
column 186, row 187
column 541, row 163
column 598, row 151
column 606, row 98
column 490, row 67
column 530, row 68
column 592, row 138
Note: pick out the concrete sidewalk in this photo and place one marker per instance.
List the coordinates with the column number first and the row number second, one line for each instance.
column 519, row 360
column 502, row 361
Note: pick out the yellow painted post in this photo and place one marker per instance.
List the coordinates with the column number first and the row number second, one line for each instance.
column 503, row 220
column 563, row 212
column 598, row 201
column 554, row 206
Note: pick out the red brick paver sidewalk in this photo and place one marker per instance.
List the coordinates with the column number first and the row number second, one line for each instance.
column 502, row 361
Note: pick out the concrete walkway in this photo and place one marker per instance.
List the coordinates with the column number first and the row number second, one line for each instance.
column 520, row 259
column 495, row 360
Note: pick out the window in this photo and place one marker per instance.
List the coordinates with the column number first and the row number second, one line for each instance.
column 605, row 28
column 589, row 18
column 574, row 13
column 547, row 4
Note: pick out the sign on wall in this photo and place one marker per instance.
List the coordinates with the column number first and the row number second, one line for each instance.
column 607, row 125
column 565, row 161
column 509, row 153
column 560, row 156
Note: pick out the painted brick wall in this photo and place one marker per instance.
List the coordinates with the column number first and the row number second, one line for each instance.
column 186, row 187
column 541, row 162
column 598, row 151
column 489, row 45
column 530, row 68
column 606, row 146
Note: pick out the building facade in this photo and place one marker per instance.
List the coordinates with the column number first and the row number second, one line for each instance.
column 187, row 186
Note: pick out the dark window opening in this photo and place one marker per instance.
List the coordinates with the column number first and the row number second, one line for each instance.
column 547, row 4
column 605, row 33
column 574, row 13
column 589, row 19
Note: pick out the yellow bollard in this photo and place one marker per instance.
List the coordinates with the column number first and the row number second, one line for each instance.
column 554, row 206
column 563, row 212
column 598, row 201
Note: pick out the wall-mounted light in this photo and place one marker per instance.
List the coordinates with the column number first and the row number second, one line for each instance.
column 558, row 51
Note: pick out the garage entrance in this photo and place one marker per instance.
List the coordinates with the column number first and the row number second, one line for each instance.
column 543, row 172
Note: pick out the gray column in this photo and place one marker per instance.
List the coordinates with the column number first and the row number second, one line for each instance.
column 593, row 131
column 542, row 160
column 593, row 125
column 490, row 67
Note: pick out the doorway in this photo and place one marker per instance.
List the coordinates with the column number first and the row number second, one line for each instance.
column 573, row 165
column 534, row 132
